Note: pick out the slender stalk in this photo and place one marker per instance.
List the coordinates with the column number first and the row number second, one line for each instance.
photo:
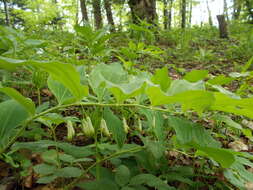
column 56, row 108
column 39, row 96
column 116, row 154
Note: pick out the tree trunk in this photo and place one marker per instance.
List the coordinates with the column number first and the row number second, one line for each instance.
column 222, row 26
column 183, row 13
column 97, row 13
column 237, row 6
column 170, row 14
column 143, row 10
column 165, row 14
column 190, row 14
column 6, row 10
column 77, row 12
column 84, row 11
column 225, row 9
column 210, row 20
column 109, row 16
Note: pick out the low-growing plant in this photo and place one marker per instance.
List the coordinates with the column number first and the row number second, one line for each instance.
column 157, row 108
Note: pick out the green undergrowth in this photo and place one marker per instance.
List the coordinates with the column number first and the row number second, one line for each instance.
column 98, row 119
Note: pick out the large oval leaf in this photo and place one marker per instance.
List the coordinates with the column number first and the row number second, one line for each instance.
column 12, row 114
column 25, row 102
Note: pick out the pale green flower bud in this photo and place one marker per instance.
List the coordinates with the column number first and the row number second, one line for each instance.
column 87, row 127
column 139, row 127
column 126, row 127
column 104, row 128
column 71, row 130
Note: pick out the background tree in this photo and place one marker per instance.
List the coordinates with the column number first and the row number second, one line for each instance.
column 6, row 11
column 84, row 11
column 143, row 9
column 249, row 8
column 183, row 13
column 225, row 9
column 108, row 9
column 210, row 20
column 237, row 6
column 97, row 13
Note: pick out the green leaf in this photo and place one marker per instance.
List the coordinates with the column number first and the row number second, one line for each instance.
column 128, row 188
column 46, row 179
column 101, row 184
column 114, row 78
column 115, row 126
column 238, row 75
column 179, row 86
column 11, row 64
column 189, row 133
column 241, row 107
column 62, row 94
column 247, row 65
column 155, row 123
column 227, row 120
column 196, row 100
column 151, row 181
column 44, row 169
column 220, row 155
column 196, row 75
column 122, row 175
column 43, row 145
column 68, row 172
column 12, row 114
column 67, row 75
column 66, row 158
column 194, row 135
column 25, row 102
column 226, row 92
column 156, row 149
column 162, row 78
column 220, row 80
column 50, row 156
column 34, row 43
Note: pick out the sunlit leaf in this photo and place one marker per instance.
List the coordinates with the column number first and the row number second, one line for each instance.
column 196, row 75
column 25, row 102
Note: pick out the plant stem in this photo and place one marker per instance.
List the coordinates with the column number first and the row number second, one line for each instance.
column 76, row 104
column 136, row 149
column 39, row 97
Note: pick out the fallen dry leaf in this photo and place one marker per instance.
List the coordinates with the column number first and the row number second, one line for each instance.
column 238, row 146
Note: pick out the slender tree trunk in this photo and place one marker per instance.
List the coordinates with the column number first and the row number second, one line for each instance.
column 190, row 14
column 6, row 10
column 97, row 13
column 84, row 11
column 170, row 14
column 225, row 9
column 183, row 13
column 209, row 14
column 165, row 14
column 108, row 9
column 77, row 12
column 222, row 26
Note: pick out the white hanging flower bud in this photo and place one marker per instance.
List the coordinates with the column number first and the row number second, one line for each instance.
column 87, row 127
column 126, row 127
column 104, row 128
column 71, row 130
column 139, row 127
column 153, row 122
